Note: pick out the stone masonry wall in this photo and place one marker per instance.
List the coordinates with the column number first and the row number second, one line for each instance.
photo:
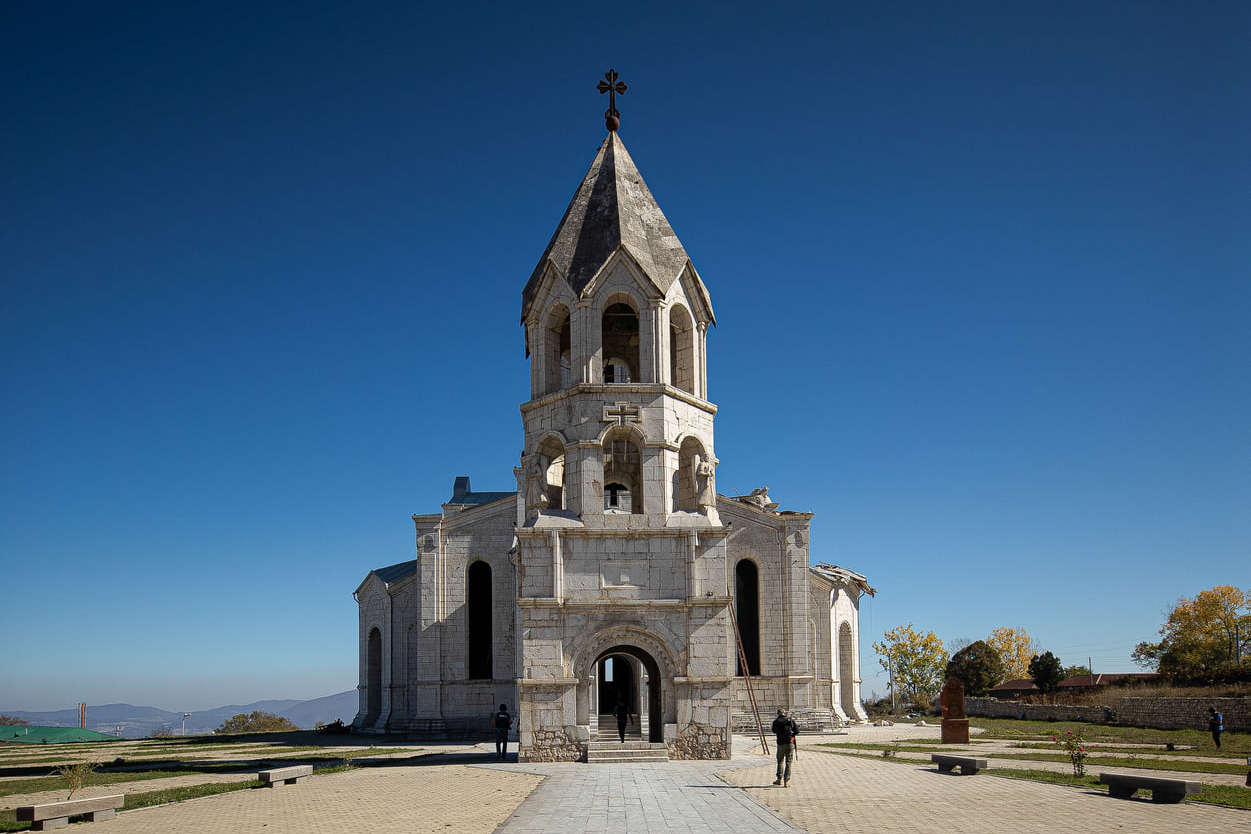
column 994, row 708
column 1183, row 713
column 1157, row 713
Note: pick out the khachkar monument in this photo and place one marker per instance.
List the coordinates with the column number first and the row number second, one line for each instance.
column 610, row 571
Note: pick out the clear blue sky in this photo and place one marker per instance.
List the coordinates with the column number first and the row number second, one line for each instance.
column 981, row 275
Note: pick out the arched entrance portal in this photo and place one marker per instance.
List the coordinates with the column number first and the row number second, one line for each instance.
column 628, row 673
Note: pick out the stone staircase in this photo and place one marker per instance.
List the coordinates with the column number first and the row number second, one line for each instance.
column 610, row 750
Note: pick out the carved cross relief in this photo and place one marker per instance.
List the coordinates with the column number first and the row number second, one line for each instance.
column 621, row 413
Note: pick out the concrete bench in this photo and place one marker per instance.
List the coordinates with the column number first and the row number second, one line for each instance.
column 1125, row 785
column 56, row 814
column 967, row 764
column 279, row 776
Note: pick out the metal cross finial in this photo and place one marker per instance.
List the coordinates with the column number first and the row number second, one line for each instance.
column 612, row 86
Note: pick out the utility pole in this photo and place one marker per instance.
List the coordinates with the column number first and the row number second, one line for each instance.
column 890, row 673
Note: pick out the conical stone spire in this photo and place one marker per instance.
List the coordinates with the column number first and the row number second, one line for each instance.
column 612, row 208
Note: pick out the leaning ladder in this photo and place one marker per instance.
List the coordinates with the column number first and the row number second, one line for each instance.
column 751, row 695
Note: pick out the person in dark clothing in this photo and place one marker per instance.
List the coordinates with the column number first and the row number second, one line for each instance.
column 1216, row 723
column 622, row 713
column 502, row 722
column 785, row 729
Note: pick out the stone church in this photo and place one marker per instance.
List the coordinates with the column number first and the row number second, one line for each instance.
column 614, row 571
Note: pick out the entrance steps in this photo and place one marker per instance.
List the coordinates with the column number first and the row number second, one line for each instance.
column 633, row 750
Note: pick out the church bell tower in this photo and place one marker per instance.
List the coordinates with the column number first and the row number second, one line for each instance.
column 616, row 323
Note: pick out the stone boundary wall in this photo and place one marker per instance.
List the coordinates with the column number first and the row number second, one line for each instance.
column 1183, row 713
column 994, row 708
column 1157, row 713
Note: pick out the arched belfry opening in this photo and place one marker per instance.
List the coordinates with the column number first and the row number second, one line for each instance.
column 747, row 610
column 619, row 340
column 552, row 461
column 623, row 473
column 557, row 350
column 629, row 674
column 681, row 349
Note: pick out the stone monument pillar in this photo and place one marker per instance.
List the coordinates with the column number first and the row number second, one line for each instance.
column 955, row 726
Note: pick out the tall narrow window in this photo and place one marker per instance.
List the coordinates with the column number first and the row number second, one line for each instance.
column 478, row 614
column 373, row 677
column 747, row 597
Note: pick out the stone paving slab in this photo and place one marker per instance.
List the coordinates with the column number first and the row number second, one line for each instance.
column 465, row 790
column 858, row 795
column 379, row 800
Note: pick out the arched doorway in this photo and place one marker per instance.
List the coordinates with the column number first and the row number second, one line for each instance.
column 629, row 673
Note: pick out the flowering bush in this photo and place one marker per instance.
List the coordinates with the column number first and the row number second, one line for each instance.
column 1073, row 744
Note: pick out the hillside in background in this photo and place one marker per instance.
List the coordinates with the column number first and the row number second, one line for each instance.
column 130, row 721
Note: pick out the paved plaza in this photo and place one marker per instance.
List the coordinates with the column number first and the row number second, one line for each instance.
column 463, row 789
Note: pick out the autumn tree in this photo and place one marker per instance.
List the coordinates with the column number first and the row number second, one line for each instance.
column 978, row 668
column 1045, row 671
column 255, row 722
column 13, row 721
column 1203, row 640
column 1015, row 648
column 916, row 662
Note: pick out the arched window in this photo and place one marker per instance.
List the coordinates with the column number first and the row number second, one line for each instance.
column 747, row 609
column 619, row 334
column 558, row 346
column 623, row 474
column 681, row 349
column 373, row 677
column 478, row 616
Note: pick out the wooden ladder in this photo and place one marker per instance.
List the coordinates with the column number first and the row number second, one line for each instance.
column 751, row 695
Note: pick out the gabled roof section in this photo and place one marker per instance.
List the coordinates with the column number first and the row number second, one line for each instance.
column 612, row 207
column 394, row 573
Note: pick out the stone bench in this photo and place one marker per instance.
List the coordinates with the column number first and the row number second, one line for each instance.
column 967, row 764
column 1125, row 785
column 56, row 814
column 279, row 776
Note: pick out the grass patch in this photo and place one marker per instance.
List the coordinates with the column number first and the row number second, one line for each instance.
column 1132, row 761
column 1228, row 795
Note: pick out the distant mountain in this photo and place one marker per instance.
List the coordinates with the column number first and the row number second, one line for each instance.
column 139, row 722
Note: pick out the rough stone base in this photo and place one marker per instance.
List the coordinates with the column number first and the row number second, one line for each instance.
column 554, row 746
column 699, row 741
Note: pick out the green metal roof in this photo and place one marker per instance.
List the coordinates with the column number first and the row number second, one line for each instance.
column 50, row 735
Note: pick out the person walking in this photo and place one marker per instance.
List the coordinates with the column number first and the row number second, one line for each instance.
column 1216, row 723
column 502, row 721
column 785, row 729
column 622, row 713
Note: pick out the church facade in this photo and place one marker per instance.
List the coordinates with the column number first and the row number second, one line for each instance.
column 614, row 571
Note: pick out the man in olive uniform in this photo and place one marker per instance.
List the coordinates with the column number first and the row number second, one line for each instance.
column 785, row 729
